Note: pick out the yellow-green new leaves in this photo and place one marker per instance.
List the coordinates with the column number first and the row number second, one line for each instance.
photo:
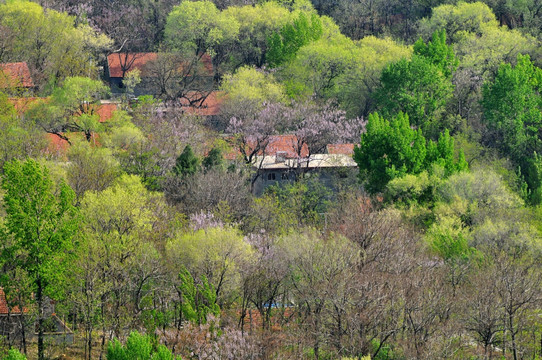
column 248, row 84
column 457, row 19
column 197, row 27
column 120, row 214
column 50, row 42
column 214, row 252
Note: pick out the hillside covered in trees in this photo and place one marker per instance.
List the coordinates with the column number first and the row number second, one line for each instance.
column 281, row 179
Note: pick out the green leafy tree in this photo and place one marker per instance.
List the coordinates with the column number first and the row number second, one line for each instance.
column 72, row 107
column 389, row 149
column 187, row 163
column 421, row 86
column 458, row 19
column 392, row 149
column 51, row 42
column 14, row 354
column 198, row 299
column 418, row 88
column 283, row 45
column 512, row 107
column 438, row 52
column 214, row 159
column 138, row 347
column 42, row 221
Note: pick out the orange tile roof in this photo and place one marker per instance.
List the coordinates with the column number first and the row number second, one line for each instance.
column 105, row 111
column 340, row 149
column 15, row 75
column 135, row 60
column 210, row 106
column 139, row 60
column 4, row 309
column 286, row 144
column 60, row 146
column 23, row 104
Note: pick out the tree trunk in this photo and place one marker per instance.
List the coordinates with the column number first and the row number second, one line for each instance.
column 39, row 298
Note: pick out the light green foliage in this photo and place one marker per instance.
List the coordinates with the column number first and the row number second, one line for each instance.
column 355, row 89
column 256, row 24
column 458, row 19
column 50, row 42
column 121, row 212
column 131, row 80
column 476, row 195
column 479, row 42
column 269, row 213
column 90, row 168
column 196, row 27
column 122, row 134
column 187, row 163
column 18, row 139
column 484, row 52
column 138, row 347
column 14, row 354
column 319, row 66
column 339, row 68
column 284, row 45
column 214, row 252
column 249, row 85
column 198, row 300
column 449, row 240
column 72, row 107
column 306, row 200
column 412, row 188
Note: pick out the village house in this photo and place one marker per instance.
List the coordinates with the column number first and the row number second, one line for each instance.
column 281, row 162
column 159, row 72
column 13, row 321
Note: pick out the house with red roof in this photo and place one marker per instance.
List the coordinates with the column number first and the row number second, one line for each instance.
column 15, row 76
column 13, row 322
column 280, row 159
column 158, row 71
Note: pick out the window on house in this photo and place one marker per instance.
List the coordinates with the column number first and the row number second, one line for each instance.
column 271, row 176
column 284, row 176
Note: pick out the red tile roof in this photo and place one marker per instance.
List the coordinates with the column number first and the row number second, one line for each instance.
column 116, row 62
column 23, row 104
column 139, row 60
column 4, row 309
column 60, row 146
column 285, row 144
column 15, row 75
column 340, row 149
column 105, row 111
column 210, row 106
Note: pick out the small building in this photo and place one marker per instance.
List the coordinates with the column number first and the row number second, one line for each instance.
column 278, row 169
column 12, row 320
column 158, row 71
column 283, row 158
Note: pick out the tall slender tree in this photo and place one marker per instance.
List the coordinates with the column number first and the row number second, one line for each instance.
column 42, row 221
